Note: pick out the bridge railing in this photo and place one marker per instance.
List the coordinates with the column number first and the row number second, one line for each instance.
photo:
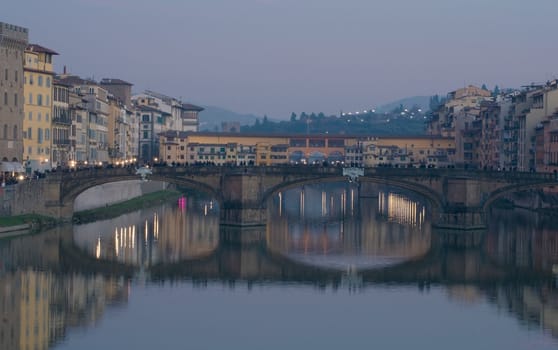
column 250, row 170
column 510, row 176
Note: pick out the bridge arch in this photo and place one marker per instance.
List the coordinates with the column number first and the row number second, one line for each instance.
column 433, row 198
column 74, row 184
column 503, row 191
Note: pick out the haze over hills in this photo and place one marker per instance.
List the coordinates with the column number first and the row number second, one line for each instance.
column 408, row 102
column 211, row 117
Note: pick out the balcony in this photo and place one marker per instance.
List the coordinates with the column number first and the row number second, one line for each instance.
column 62, row 120
column 61, row 142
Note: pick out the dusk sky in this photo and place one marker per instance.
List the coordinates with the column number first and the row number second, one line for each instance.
column 277, row 56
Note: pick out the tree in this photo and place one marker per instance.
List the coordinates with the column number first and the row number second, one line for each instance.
column 293, row 117
column 265, row 121
column 303, row 116
column 496, row 91
column 434, row 103
column 257, row 122
column 484, row 87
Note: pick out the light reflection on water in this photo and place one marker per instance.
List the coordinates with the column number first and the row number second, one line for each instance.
column 344, row 232
column 166, row 234
column 329, row 270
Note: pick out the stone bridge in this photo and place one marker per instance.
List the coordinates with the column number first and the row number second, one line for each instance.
column 457, row 198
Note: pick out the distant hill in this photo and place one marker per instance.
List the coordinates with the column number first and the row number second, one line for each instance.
column 211, row 118
column 407, row 102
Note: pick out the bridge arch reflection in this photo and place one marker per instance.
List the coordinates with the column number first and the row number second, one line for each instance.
column 329, row 226
column 167, row 234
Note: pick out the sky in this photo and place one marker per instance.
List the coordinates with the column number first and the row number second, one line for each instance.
column 275, row 57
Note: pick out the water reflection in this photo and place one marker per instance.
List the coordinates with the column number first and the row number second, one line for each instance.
column 169, row 233
column 39, row 302
column 336, row 229
column 330, row 240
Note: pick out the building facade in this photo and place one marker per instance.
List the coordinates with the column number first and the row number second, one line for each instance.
column 61, row 125
column 13, row 42
column 38, row 89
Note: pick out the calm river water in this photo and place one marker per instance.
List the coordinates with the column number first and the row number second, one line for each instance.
column 329, row 271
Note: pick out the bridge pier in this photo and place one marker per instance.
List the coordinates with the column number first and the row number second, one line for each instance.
column 463, row 218
column 238, row 214
column 241, row 235
column 444, row 237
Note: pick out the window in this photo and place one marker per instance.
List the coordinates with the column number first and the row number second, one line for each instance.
column 16, row 76
column 5, row 131
column 40, row 80
column 145, row 134
column 30, row 99
column 40, row 135
column 15, row 132
column 47, row 134
column 29, row 150
column 15, row 99
column 29, row 135
column 30, row 79
column 39, row 116
column 6, row 98
column 39, row 99
column 6, row 74
column 47, row 100
column 46, row 117
column 145, row 118
column 48, row 81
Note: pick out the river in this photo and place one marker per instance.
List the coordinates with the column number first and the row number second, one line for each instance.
column 330, row 270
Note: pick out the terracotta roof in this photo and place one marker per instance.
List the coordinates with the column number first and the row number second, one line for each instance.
column 41, row 49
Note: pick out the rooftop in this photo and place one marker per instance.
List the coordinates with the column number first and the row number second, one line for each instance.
column 183, row 134
column 73, row 80
column 40, row 49
column 191, row 107
column 146, row 108
column 111, row 81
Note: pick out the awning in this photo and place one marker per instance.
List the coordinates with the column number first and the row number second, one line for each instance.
column 11, row 167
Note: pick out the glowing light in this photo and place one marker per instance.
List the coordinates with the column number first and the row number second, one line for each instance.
column 401, row 209
column 98, row 248
column 116, row 243
column 280, row 203
column 324, row 203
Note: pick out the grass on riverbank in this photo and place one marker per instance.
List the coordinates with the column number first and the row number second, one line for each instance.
column 112, row 211
column 32, row 219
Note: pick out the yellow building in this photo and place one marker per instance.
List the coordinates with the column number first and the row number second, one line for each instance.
column 38, row 92
column 409, row 151
column 34, row 310
column 239, row 149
